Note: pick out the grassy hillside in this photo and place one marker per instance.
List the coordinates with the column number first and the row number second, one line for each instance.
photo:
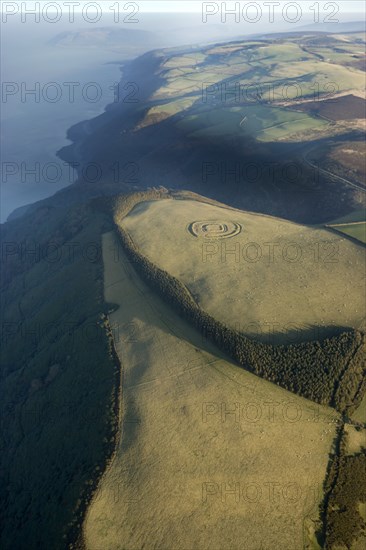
column 275, row 281
column 328, row 371
column 182, row 452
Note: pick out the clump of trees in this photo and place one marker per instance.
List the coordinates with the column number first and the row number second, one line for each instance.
column 329, row 372
column 344, row 524
column 345, row 490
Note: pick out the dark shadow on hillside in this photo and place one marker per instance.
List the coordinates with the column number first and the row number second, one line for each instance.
column 167, row 155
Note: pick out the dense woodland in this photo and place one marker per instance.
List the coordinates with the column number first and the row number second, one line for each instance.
column 58, row 378
column 344, row 490
column 329, row 372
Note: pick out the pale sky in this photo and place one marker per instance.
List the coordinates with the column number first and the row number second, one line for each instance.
column 195, row 6
column 172, row 6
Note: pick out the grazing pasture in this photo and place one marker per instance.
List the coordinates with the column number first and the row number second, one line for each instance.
column 275, row 280
column 209, row 455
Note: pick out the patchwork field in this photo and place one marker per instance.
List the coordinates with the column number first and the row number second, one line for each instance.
column 209, row 455
column 262, row 122
column 268, row 80
column 292, row 282
column 345, row 50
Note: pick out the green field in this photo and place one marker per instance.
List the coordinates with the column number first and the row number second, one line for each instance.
column 353, row 225
column 357, row 230
column 262, row 122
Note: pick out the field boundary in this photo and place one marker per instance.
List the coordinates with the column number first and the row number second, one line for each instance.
column 345, row 235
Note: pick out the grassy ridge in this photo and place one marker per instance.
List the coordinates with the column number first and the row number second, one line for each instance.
column 328, row 372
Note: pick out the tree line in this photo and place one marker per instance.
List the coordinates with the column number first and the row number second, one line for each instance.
column 344, row 491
